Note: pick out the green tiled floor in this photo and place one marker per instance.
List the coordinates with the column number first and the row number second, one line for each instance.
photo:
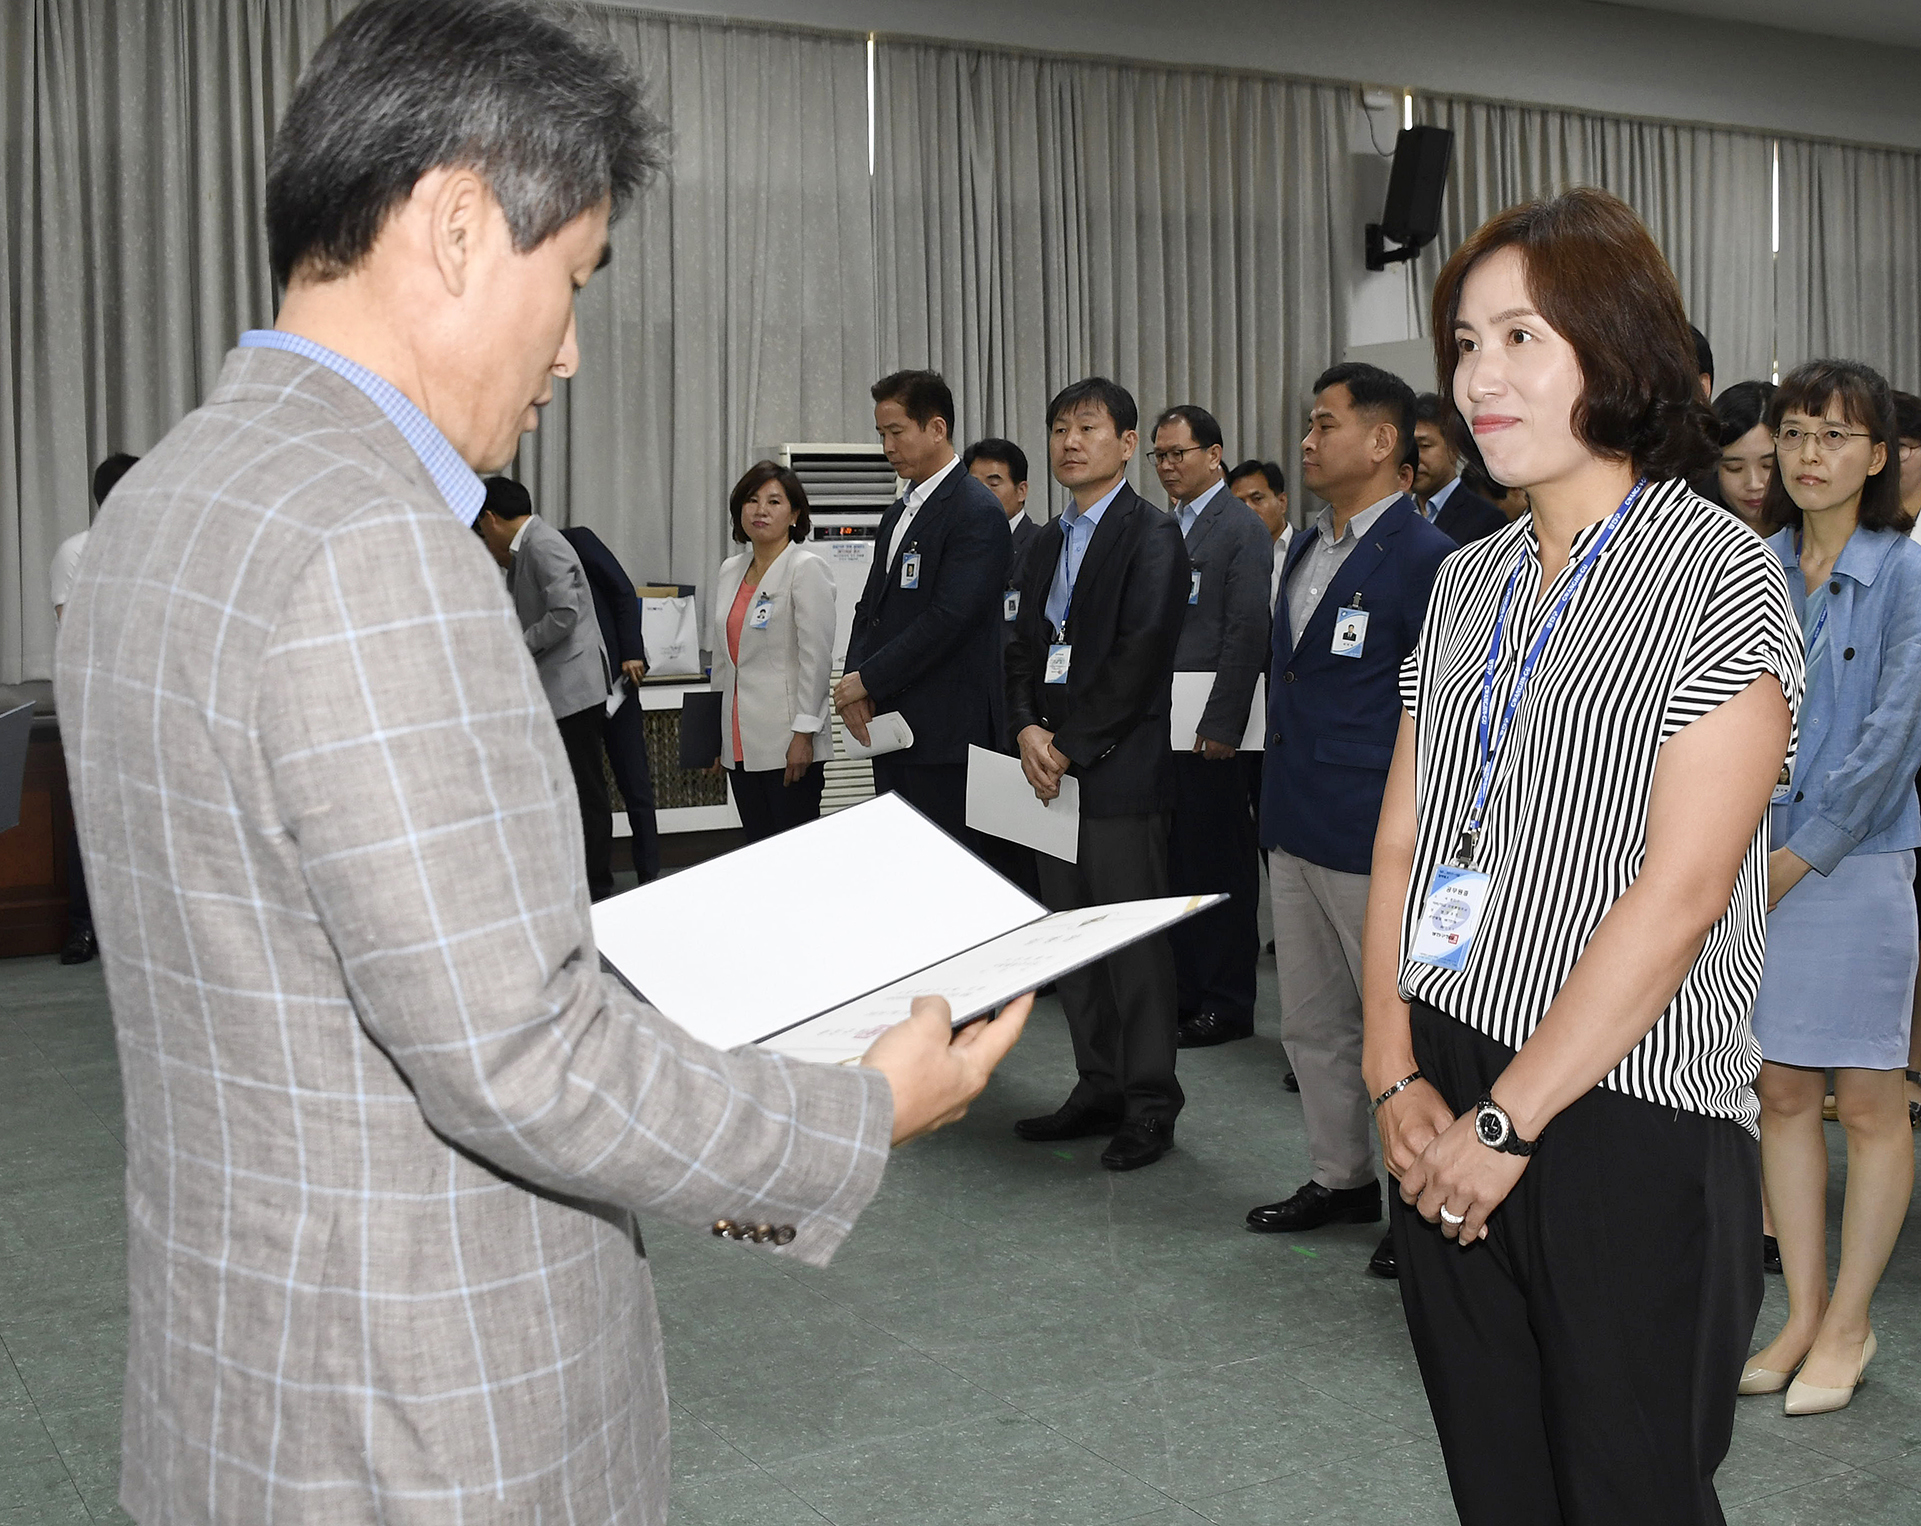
column 1013, row 1335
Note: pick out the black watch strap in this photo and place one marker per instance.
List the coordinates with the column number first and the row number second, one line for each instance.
column 1495, row 1129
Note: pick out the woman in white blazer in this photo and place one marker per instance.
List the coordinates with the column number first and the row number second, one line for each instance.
column 773, row 646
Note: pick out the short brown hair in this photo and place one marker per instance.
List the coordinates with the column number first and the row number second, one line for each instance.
column 757, row 477
column 1598, row 278
column 1863, row 395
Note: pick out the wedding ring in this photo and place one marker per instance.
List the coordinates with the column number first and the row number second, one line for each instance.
column 1452, row 1218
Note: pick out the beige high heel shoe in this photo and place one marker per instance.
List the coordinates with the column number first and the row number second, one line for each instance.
column 1756, row 1379
column 1806, row 1399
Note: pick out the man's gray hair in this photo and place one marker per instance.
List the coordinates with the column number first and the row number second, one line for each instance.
column 530, row 96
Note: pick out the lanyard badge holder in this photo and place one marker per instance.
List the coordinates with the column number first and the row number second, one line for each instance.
column 1457, row 893
column 1060, row 655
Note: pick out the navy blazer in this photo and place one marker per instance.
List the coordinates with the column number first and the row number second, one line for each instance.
column 615, row 602
column 933, row 652
column 1111, row 716
column 1467, row 516
column 1332, row 721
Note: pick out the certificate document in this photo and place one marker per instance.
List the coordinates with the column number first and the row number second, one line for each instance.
column 848, row 919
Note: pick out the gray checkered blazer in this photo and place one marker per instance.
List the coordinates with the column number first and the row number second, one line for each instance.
column 387, row 1124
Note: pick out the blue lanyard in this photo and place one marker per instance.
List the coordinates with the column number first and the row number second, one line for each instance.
column 1821, row 621
column 1820, row 624
column 1492, row 743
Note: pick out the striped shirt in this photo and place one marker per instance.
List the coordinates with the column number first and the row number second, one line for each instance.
column 1683, row 610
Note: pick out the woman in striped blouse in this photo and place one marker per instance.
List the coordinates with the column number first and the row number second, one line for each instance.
column 1566, row 928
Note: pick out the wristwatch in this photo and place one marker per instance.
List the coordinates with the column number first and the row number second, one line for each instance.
column 1496, row 1130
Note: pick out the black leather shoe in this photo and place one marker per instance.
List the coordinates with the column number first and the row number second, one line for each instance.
column 1138, row 1142
column 1072, row 1120
column 1203, row 1030
column 1382, row 1262
column 80, row 948
column 1315, row 1205
column 1770, row 1255
column 1290, row 1082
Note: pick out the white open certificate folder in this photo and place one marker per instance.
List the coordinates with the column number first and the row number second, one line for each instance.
column 1001, row 803
column 1191, row 691
column 813, row 941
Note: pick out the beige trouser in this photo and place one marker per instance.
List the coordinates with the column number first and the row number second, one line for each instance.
column 1318, row 914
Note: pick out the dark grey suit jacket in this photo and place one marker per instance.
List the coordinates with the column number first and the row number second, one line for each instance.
column 556, row 609
column 1224, row 630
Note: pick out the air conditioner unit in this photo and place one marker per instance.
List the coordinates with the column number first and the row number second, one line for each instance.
column 849, row 487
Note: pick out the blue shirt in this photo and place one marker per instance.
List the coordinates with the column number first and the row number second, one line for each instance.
column 1077, row 529
column 1859, row 744
column 463, row 490
column 1188, row 513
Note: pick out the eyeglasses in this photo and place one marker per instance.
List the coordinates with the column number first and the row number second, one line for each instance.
column 1827, row 440
column 1175, row 456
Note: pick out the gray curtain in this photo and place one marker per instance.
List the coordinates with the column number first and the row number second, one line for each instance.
column 1850, row 268
column 1039, row 218
column 1703, row 192
column 738, row 312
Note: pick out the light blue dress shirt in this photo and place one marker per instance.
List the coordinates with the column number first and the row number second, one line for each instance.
column 1189, row 513
column 463, row 490
column 1859, row 744
column 1077, row 529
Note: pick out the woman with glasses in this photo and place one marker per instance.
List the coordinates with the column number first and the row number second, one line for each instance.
column 1566, row 926
column 1841, row 955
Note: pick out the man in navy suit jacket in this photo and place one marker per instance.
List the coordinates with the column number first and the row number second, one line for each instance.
column 1090, row 682
column 926, row 635
column 1354, row 592
column 618, row 608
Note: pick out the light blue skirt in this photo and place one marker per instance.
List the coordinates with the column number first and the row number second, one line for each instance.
column 1838, row 985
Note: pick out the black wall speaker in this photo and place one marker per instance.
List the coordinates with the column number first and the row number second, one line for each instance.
column 1412, row 215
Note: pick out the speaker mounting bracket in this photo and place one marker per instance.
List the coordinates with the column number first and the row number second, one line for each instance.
column 1379, row 256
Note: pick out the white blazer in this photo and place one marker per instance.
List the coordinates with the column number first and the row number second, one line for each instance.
column 785, row 666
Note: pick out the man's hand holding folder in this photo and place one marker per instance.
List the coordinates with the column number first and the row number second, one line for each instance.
column 935, row 1069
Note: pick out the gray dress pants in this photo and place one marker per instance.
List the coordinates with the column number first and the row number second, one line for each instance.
column 1318, row 914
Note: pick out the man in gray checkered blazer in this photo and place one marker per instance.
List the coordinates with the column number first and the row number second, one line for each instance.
column 388, row 1126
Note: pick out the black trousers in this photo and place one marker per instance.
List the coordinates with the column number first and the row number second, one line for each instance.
column 580, row 735
column 1211, row 848
column 768, row 806
column 937, row 790
column 1120, row 1011
column 1581, row 1362
column 625, row 736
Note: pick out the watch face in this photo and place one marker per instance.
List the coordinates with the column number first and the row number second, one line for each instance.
column 1492, row 1127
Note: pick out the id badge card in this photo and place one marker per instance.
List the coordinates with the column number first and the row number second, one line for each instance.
column 1784, row 785
column 1194, row 586
column 1059, row 655
column 910, row 570
column 1350, row 633
column 763, row 608
column 1011, row 605
column 1450, row 917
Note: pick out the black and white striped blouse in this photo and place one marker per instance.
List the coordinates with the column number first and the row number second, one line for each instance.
column 1683, row 609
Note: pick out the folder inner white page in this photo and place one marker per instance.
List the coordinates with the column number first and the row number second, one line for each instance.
column 759, row 939
column 987, row 977
column 1191, row 693
column 1001, row 803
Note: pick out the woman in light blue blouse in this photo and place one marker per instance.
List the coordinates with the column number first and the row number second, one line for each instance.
column 1841, row 955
